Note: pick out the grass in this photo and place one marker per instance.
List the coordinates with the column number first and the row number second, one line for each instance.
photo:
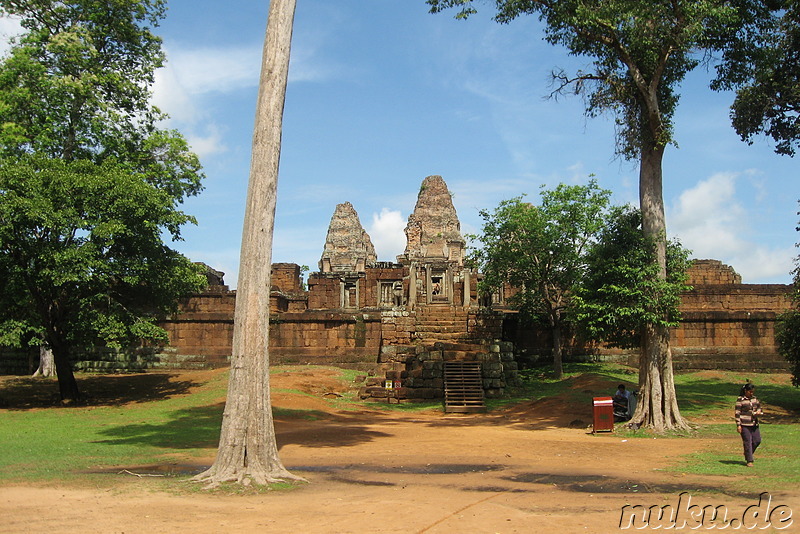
column 67, row 443
column 72, row 443
column 777, row 460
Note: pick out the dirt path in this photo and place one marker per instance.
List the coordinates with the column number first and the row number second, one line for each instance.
column 512, row 471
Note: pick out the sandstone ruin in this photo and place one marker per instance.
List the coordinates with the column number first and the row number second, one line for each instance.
column 409, row 320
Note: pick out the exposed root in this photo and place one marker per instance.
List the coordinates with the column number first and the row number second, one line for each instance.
column 214, row 479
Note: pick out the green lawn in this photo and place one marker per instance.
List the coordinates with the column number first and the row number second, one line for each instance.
column 67, row 442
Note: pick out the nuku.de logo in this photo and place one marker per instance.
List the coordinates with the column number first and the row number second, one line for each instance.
column 693, row 516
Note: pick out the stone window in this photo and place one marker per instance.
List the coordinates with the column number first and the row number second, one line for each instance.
column 349, row 293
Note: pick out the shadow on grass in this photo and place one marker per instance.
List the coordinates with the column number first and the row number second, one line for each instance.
column 21, row 393
column 199, row 428
column 190, row 428
column 697, row 395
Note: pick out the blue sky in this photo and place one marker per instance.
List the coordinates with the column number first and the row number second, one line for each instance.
column 383, row 94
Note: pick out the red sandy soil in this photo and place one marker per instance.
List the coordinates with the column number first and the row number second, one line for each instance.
column 531, row 467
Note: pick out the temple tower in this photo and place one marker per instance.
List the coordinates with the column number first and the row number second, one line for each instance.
column 435, row 247
column 348, row 247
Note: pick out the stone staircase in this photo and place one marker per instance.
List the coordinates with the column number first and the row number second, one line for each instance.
column 463, row 387
column 438, row 323
column 444, row 336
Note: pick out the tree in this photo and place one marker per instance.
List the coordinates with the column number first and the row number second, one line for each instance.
column 83, row 259
column 247, row 451
column 641, row 51
column 76, row 125
column 76, row 86
column 540, row 251
column 763, row 67
column 787, row 334
column 620, row 296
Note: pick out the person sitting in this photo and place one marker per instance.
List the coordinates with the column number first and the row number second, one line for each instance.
column 621, row 400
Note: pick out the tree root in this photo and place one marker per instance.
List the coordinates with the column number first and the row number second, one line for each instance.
column 213, row 479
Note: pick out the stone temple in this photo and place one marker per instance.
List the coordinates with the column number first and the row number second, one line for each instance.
column 407, row 322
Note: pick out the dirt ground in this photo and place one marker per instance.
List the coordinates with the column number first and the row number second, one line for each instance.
column 526, row 468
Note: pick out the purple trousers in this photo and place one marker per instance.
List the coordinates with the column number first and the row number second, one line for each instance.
column 751, row 439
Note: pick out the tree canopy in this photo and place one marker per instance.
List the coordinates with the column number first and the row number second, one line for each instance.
column 540, row 251
column 620, row 295
column 76, row 85
column 763, row 66
column 787, row 329
column 90, row 184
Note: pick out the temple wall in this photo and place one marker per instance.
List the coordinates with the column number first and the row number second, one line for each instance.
column 323, row 292
column 203, row 328
column 286, row 276
column 321, row 337
column 722, row 327
column 725, row 325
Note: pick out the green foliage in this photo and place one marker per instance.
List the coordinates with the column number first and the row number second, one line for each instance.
column 622, row 292
column 787, row 334
column 540, row 250
column 81, row 249
column 89, row 182
column 76, row 85
column 787, row 330
column 763, row 67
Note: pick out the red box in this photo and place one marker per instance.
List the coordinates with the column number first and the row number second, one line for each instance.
column 602, row 414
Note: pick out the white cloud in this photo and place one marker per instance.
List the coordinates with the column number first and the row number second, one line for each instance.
column 764, row 265
column 388, row 234
column 307, row 66
column 711, row 221
column 707, row 217
column 207, row 70
column 207, row 145
column 184, row 87
column 192, row 74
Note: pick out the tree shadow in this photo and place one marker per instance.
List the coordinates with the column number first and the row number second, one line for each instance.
column 199, row 427
column 22, row 393
column 189, row 428
column 705, row 392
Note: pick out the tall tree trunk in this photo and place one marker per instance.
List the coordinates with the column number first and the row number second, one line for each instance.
column 657, row 406
column 248, row 452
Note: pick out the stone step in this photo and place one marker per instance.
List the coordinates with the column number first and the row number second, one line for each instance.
column 469, row 347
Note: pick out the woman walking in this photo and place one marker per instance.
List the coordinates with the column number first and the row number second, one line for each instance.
column 747, row 411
